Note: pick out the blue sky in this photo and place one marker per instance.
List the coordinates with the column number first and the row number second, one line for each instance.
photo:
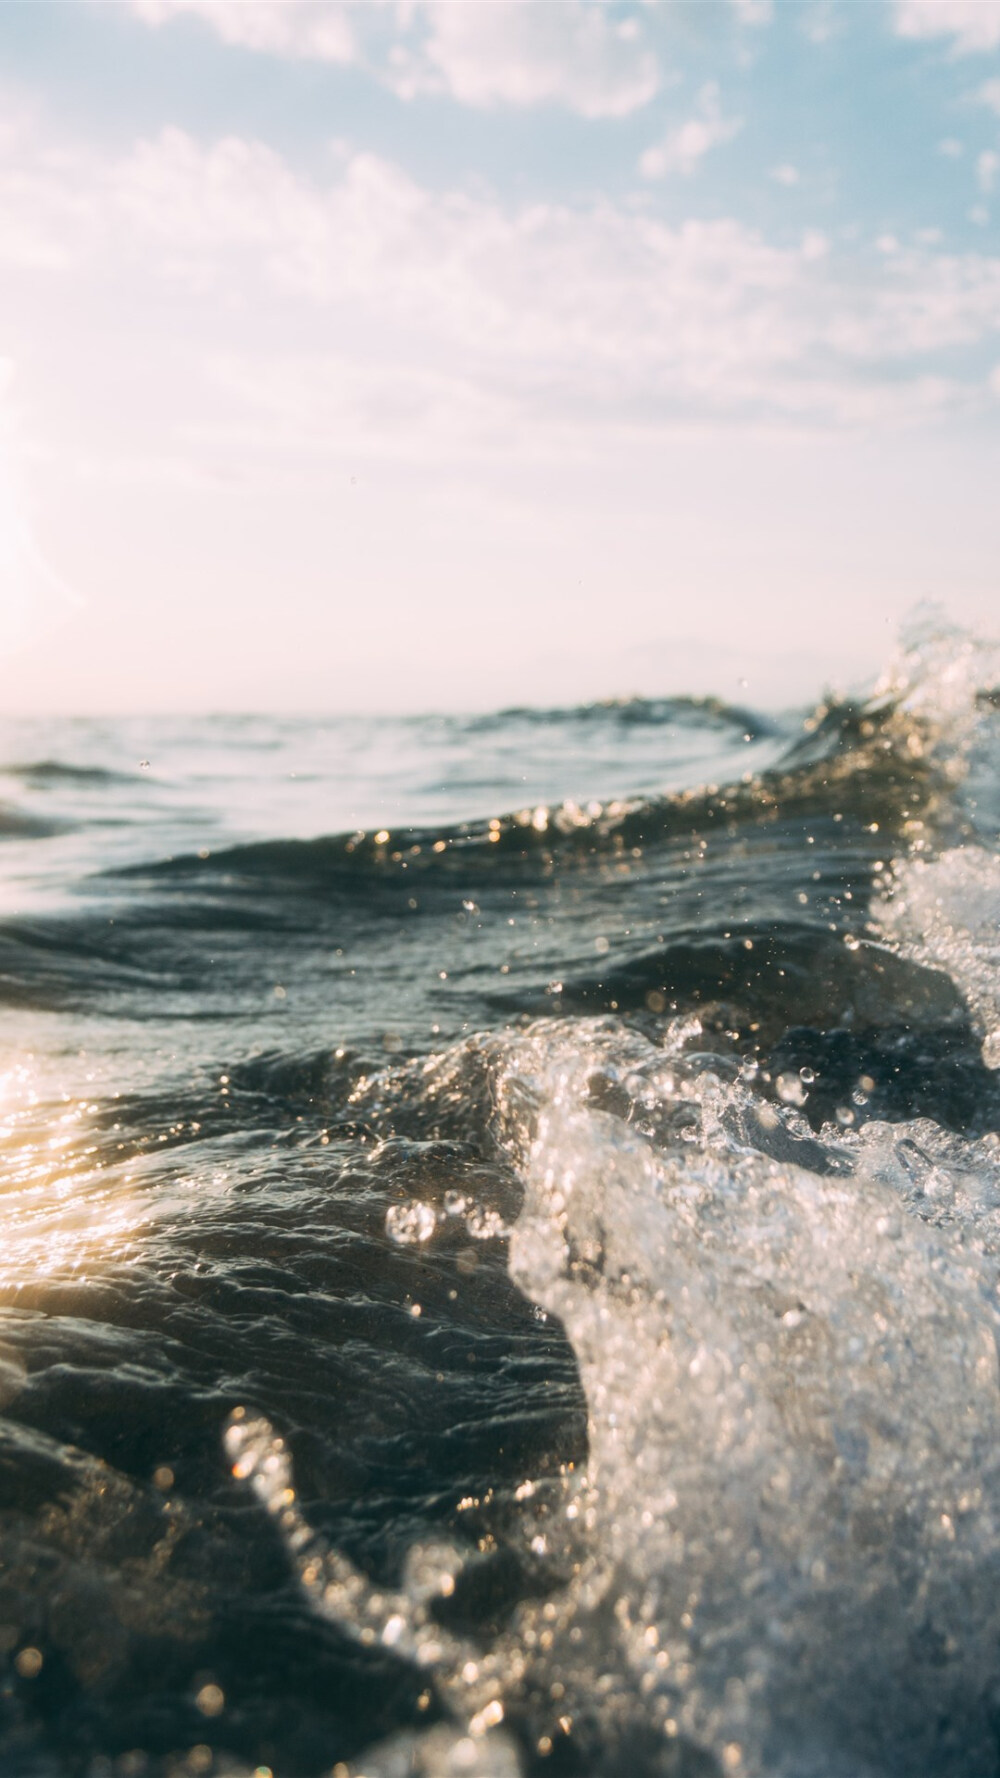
column 420, row 355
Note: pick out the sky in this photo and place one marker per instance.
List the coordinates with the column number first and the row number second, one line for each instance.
column 410, row 356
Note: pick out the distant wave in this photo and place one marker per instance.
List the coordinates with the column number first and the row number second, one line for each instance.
column 866, row 762
column 15, row 824
column 58, row 771
column 655, row 712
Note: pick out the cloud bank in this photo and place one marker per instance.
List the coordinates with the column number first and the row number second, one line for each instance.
column 549, row 317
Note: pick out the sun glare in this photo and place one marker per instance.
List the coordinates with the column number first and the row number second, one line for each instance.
column 62, row 1212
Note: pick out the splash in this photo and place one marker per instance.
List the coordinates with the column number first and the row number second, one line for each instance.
column 945, row 913
column 403, row 1622
column 793, row 1413
column 786, row 1548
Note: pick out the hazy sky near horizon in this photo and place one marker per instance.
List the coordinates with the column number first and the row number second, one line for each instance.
column 449, row 355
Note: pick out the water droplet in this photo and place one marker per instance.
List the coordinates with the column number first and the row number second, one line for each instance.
column 790, row 1090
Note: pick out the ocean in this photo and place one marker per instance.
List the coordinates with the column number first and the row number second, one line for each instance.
column 500, row 1256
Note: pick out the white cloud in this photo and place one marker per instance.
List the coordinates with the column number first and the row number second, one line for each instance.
column 318, row 30
column 989, row 94
column 786, row 174
column 987, row 167
column 814, row 245
column 557, row 309
column 754, row 12
column 972, row 25
column 549, row 304
column 572, row 54
column 951, row 148
column 682, row 149
column 821, row 22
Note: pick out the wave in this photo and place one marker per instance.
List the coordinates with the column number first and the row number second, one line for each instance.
column 18, row 824
column 682, row 712
column 892, row 760
column 43, row 772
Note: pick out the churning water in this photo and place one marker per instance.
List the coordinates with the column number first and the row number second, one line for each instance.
column 498, row 1292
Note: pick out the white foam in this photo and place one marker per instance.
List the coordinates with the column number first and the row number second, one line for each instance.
column 793, row 1413
column 945, row 913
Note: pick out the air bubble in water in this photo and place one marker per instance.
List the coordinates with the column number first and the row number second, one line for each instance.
column 790, row 1089
column 485, row 1225
column 409, row 1224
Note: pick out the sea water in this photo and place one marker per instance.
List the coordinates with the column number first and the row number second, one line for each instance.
column 500, row 1252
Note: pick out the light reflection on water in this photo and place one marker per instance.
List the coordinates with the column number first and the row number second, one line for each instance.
column 66, row 1208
